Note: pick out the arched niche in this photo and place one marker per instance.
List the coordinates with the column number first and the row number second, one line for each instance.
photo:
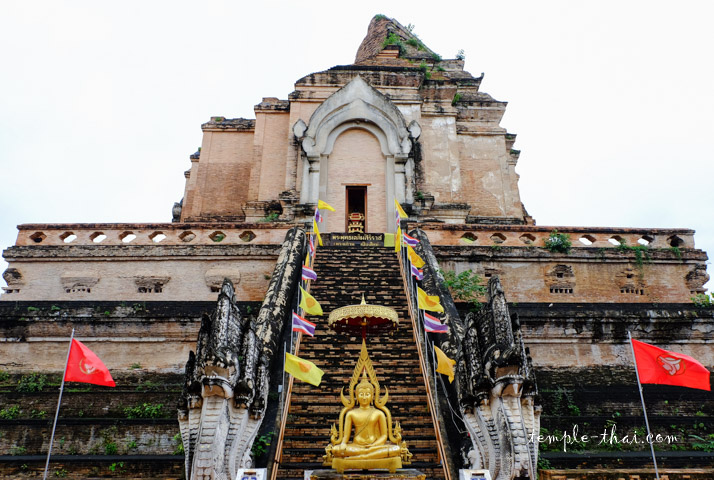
column 357, row 105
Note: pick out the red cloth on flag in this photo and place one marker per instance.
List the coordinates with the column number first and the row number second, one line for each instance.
column 84, row 366
column 662, row 367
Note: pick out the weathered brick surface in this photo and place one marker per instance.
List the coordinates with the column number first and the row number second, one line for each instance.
column 344, row 274
column 94, row 436
column 357, row 160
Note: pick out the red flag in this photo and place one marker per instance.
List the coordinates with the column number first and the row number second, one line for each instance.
column 662, row 367
column 84, row 366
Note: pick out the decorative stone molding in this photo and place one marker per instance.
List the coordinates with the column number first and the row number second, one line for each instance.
column 357, row 101
column 150, row 282
column 78, row 282
column 560, row 279
column 13, row 277
column 215, row 276
column 630, row 280
column 695, row 279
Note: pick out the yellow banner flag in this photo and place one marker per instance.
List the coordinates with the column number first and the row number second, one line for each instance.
column 414, row 258
column 324, row 206
column 400, row 210
column 309, row 304
column 444, row 364
column 315, row 229
column 398, row 240
column 430, row 303
column 303, row 370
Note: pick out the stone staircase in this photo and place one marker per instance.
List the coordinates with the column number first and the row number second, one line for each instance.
column 344, row 274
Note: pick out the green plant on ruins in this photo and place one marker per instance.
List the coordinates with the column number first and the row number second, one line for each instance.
column 18, row 450
column 271, row 217
column 641, row 252
column 179, row 450
column 34, row 382
column 703, row 300
column 705, row 444
column 394, row 39
column 145, row 410
column 467, row 286
column 110, row 448
column 558, row 242
column 10, row 413
column 543, row 463
column 38, row 414
column 261, row 444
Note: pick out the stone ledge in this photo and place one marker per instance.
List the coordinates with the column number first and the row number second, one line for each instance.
column 142, row 251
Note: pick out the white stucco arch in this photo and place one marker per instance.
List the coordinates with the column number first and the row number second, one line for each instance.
column 358, row 105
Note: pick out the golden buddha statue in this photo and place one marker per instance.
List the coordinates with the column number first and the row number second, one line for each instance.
column 375, row 444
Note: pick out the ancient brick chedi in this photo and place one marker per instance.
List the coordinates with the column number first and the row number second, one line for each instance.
column 399, row 123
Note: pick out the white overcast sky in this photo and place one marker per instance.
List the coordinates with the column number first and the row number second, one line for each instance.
column 101, row 102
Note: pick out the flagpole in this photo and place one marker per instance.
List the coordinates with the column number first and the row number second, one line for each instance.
column 54, row 425
column 647, row 423
column 282, row 394
column 436, row 387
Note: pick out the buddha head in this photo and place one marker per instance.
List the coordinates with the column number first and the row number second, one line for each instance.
column 365, row 392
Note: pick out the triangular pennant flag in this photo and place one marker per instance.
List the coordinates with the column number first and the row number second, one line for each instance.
column 324, row 206
column 303, row 370
column 444, row 364
column 428, row 302
column 84, row 366
column 309, row 304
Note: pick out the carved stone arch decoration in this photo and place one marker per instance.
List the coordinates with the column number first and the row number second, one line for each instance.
column 630, row 281
column 358, row 105
column 695, row 279
column 560, row 279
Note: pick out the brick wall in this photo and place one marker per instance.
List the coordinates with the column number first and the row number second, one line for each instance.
column 357, row 159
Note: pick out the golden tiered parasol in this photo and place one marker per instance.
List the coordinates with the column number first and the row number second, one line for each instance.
column 363, row 319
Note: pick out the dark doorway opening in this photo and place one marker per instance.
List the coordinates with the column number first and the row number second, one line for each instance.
column 356, row 211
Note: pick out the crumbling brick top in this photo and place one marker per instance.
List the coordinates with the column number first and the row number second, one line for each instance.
column 273, row 104
column 234, row 124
